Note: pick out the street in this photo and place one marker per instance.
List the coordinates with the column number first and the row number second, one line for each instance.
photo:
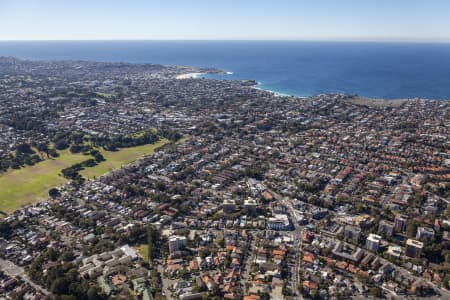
column 13, row 270
column 298, row 231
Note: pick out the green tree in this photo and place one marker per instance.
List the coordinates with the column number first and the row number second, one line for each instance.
column 51, row 254
column 152, row 239
column 94, row 293
column 60, row 286
column 53, row 192
column 67, row 256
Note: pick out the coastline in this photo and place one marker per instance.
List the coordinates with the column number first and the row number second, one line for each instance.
column 360, row 100
column 275, row 93
column 259, row 86
column 356, row 99
column 286, row 72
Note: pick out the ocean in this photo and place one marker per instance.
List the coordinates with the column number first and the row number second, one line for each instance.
column 377, row 70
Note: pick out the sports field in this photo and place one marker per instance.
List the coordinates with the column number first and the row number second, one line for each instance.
column 31, row 184
column 117, row 159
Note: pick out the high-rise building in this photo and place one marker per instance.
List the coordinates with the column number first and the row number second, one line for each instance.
column 386, row 228
column 176, row 243
column 400, row 223
column 424, row 233
column 228, row 206
column 352, row 233
column 413, row 248
column 373, row 242
column 250, row 204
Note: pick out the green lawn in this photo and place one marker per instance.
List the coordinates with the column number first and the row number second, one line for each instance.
column 31, row 184
column 143, row 251
column 117, row 159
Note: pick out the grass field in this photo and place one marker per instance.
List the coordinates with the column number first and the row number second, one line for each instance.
column 117, row 159
column 143, row 251
column 31, row 184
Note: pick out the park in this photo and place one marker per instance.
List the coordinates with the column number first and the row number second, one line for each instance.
column 31, row 184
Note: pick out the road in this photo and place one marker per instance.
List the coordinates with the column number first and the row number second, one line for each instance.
column 246, row 278
column 298, row 231
column 166, row 282
column 14, row 270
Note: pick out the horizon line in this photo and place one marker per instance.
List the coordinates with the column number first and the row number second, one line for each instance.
column 412, row 41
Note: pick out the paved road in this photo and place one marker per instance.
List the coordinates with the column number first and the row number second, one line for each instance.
column 297, row 243
column 166, row 282
column 14, row 270
column 298, row 247
column 250, row 259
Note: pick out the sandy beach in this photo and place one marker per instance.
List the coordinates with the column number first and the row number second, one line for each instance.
column 189, row 75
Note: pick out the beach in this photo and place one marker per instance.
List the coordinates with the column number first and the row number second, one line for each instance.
column 189, row 75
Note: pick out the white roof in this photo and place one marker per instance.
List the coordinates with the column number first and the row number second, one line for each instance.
column 129, row 251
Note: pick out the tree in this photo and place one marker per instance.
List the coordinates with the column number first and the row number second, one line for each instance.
column 94, row 293
column 43, row 147
column 152, row 239
column 5, row 229
column 60, row 286
column 61, row 145
column 53, row 192
column 51, row 254
column 98, row 157
column 447, row 281
column 25, row 148
column 265, row 296
column 67, row 256
column 4, row 165
column 411, row 228
column 53, row 153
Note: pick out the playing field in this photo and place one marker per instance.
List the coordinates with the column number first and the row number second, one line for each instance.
column 117, row 159
column 143, row 251
column 31, row 184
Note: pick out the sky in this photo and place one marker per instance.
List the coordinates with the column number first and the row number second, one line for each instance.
column 367, row 20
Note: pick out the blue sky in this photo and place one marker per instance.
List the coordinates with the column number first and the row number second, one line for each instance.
column 385, row 20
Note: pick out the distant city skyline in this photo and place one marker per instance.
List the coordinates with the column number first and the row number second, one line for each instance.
column 345, row 20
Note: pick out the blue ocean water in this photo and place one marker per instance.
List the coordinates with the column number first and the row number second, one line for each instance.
column 380, row 70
